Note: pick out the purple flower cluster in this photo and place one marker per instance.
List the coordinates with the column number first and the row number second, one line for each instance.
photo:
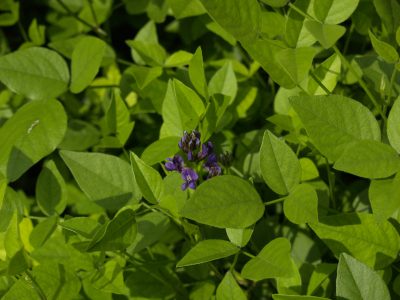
column 196, row 152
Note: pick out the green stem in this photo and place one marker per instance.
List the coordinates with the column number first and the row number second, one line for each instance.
column 96, row 29
column 36, row 286
column 23, row 32
column 234, row 262
column 124, row 62
column 362, row 83
column 237, row 171
column 248, row 254
column 274, row 201
column 313, row 76
column 331, row 183
column 215, row 270
column 298, row 10
column 93, row 13
column 103, row 86
column 347, row 42
column 392, row 80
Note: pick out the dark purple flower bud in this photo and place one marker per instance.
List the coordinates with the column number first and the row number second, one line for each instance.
column 226, row 159
column 174, row 164
column 212, row 166
column 189, row 142
column 190, row 176
column 206, row 149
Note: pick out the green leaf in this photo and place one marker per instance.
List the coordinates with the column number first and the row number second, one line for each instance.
column 84, row 226
column 43, row 231
column 36, row 33
column 276, row 3
column 320, row 276
column 398, row 36
column 326, row 34
column 229, row 289
column 181, row 109
column 110, row 279
column 296, row 62
column 51, row 192
column 207, row 250
column 361, row 235
column 80, row 136
column 18, row 263
column 196, row 73
column 280, row 167
column 173, row 197
column 37, row 73
column 105, row 179
column 57, row 281
column 357, row 281
column 369, row 159
column 178, row 59
column 86, row 61
column 224, row 202
column 383, row 49
column 384, row 196
column 151, row 228
column 273, row 261
column 240, row 237
column 33, row 132
column 333, row 122
column 186, row 8
column 308, row 169
column 327, row 72
column 145, row 47
column 393, row 125
column 332, row 11
column 148, row 179
column 9, row 12
column 224, row 82
column 295, row 32
column 21, row 289
column 117, row 234
column 388, row 11
column 301, row 206
column 160, row 150
column 296, row 297
column 241, row 18
column 144, row 75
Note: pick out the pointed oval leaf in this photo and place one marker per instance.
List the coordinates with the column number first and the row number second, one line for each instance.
column 51, row 191
column 148, row 179
column 369, row 159
column 393, row 125
column 361, row 235
column 333, row 122
column 224, row 202
column 224, row 82
column 356, row 281
column 160, row 150
column 207, row 250
column 241, row 18
column 384, row 50
column 327, row 35
column 105, row 179
column 229, row 289
column 332, row 11
column 301, row 206
column 384, row 196
column 240, row 237
column 33, row 132
column 118, row 234
column 196, row 73
column 37, row 73
column 280, row 167
column 273, row 261
column 86, row 60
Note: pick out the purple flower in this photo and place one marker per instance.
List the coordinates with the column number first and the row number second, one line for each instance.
column 190, row 142
column 206, row 149
column 190, row 176
column 175, row 163
column 212, row 166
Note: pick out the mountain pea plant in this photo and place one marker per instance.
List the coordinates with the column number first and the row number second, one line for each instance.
column 199, row 149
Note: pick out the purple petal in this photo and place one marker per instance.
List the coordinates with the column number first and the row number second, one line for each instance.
column 170, row 166
column 192, row 185
column 184, row 186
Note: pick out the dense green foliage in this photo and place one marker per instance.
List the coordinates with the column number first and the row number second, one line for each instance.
column 199, row 149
